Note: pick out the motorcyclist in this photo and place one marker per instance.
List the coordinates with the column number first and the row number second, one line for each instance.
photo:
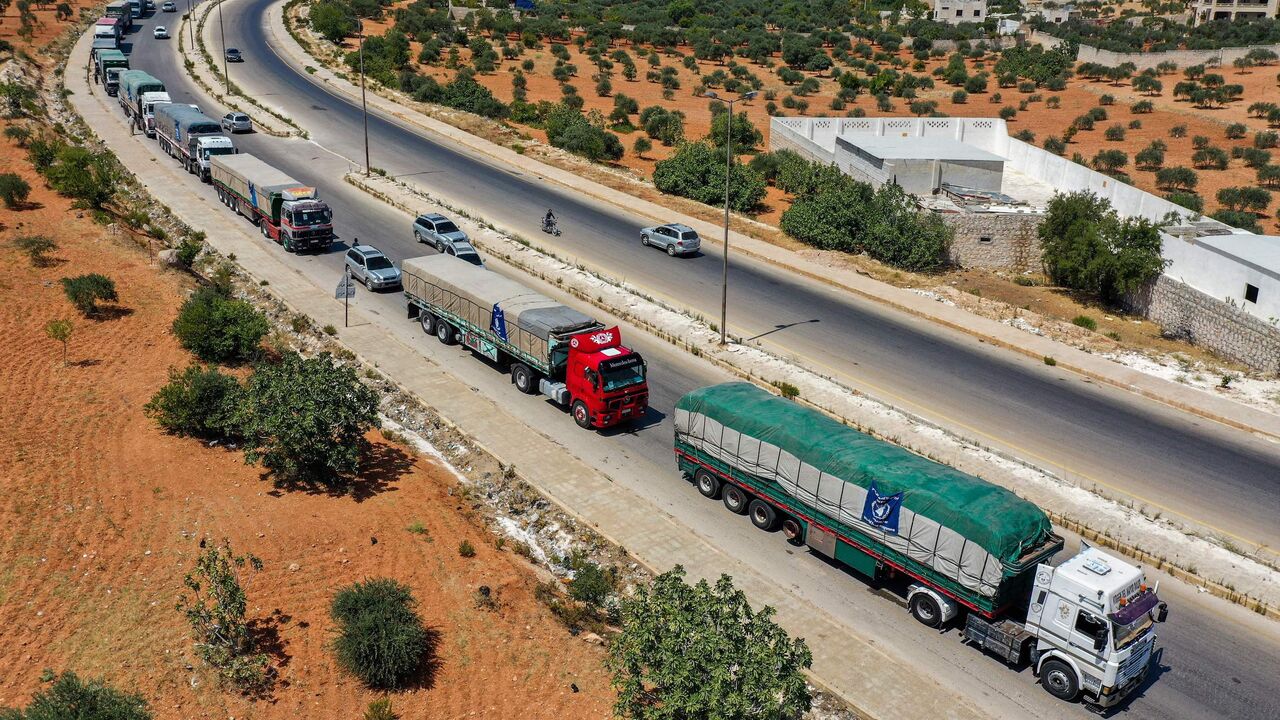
column 549, row 220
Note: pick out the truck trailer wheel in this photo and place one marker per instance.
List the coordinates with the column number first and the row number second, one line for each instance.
column 445, row 333
column 792, row 531
column 1060, row 680
column 428, row 322
column 926, row 610
column 581, row 415
column 762, row 515
column 735, row 499
column 708, row 484
column 523, row 378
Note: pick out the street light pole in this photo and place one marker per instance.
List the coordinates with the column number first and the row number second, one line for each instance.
column 728, row 170
column 222, row 34
column 191, row 24
column 364, row 106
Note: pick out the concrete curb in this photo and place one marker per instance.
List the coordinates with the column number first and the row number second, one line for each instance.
column 848, row 664
column 1189, row 400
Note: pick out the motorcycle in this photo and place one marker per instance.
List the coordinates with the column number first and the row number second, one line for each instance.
column 550, row 226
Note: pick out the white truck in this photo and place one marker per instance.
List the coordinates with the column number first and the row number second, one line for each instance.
column 190, row 136
column 960, row 549
column 149, row 102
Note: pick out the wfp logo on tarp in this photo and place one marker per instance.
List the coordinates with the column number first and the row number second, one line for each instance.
column 882, row 511
column 498, row 323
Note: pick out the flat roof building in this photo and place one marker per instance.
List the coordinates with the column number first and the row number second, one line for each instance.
column 920, row 165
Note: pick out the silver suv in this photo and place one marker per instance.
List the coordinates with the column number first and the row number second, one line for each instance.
column 371, row 267
column 437, row 230
column 675, row 238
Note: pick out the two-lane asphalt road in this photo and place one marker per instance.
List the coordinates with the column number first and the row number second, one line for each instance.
column 1087, row 433
column 1217, row 660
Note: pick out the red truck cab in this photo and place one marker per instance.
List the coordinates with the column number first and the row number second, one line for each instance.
column 605, row 379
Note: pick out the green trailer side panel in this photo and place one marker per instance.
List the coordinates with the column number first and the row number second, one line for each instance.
column 996, row 519
column 855, row 558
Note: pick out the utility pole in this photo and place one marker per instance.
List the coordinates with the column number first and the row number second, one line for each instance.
column 728, row 169
column 191, row 24
column 222, row 33
column 364, row 106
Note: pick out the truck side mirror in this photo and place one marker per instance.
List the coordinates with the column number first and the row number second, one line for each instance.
column 1162, row 612
column 1100, row 640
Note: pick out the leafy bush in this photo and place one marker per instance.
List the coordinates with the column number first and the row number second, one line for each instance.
column 1142, row 107
column 381, row 639
column 1269, row 176
column 1115, row 133
column 745, row 135
column 1266, row 140
column 697, row 171
column 1087, row 246
column 567, row 128
column 215, row 605
column 14, row 191
column 665, row 126
column 1250, row 199
column 1055, row 145
column 219, row 329
column 1150, row 158
column 1190, row 201
column 1177, row 178
column 1210, row 158
column 704, row 650
column 199, row 402
column 332, row 20
column 305, row 419
column 70, row 698
column 89, row 176
column 84, row 292
column 36, row 248
column 1110, row 161
column 1085, row 322
column 1242, row 220
column 591, row 583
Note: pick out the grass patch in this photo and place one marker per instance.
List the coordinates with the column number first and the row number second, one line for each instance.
column 1085, row 322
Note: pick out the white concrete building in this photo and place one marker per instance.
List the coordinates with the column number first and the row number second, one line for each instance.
column 1209, row 10
column 1054, row 12
column 1221, row 287
column 954, row 12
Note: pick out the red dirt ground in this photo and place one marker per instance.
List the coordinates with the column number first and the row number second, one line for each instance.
column 101, row 513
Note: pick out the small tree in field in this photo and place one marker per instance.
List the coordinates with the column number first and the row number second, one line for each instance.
column 199, row 402
column 701, row 651
column 37, row 248
column 641, row 146
column 305, row 420
column 381, row 639
column 215, row 605
column 71, row 698
column 59, row 331
column 84, row 291
column 13, row 190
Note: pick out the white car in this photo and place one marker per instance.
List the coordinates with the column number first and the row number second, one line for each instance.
column 234, row 122
column 160, row 33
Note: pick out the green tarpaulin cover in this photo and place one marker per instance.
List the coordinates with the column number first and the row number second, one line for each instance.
column 998, row 521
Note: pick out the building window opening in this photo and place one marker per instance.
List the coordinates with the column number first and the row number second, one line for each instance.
column 984, row 240
column 1251, row 293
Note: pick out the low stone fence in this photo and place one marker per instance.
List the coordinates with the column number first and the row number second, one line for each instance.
column 995, row 241
column 1184, row 58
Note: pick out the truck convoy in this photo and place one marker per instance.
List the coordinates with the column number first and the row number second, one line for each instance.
column 106, row 60
column 965, row 546
column 133, row 84
column 551, row 349
column 286, row 210
column 191, row 136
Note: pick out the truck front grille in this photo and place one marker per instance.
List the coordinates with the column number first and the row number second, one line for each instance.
column 1135, row 663
column 618, row 403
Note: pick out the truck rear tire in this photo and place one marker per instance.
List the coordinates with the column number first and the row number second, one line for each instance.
column 925, row 609
column 735, row 500
column 762, row 515
column 581, row 414
column 445, row 333
column 708, row 484
column 793, row 531
column 1060, row 680
column 428, row 322
column 524, row 379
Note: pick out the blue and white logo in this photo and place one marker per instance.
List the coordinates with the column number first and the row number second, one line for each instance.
column 882, row 511
column 498, row 323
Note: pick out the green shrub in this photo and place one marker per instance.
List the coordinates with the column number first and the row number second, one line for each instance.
column 1190, row 201
column 305, row 420
column 36, row 248
column 591, row 583
column 381, row 640
column 199, row 402
column 218, row 329
column 14, row 191
column 1243, row 220
column 466, row 549
column 214, row 605
column 380, row 709
column 1085, row 322
column 697, row 171
column 1088, row 247
column 84, row 292
column 70, row 698
column 187, row 251
column 89, row 176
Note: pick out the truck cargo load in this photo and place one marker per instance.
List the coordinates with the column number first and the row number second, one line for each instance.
column 552, row 349
column 105, row 60
column 286, row 210
column 188, row 135
column 133, row 84
column 974, row 538
column 122, row 12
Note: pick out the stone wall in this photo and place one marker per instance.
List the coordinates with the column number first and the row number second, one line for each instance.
column 995, row 241
column 1184, row 58
column 1227, row 330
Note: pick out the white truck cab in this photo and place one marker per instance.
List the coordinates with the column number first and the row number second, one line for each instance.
column 207, row 146
column 1093, row 623
column 149, row 102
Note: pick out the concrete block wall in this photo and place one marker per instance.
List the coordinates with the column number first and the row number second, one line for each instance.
column 995, row 241
column 1184, row 311
column 1184, row 58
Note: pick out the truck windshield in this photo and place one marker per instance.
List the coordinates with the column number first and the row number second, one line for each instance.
column 221, row 151
column 1126, row 634
column 619, row 375
column 311, row 217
